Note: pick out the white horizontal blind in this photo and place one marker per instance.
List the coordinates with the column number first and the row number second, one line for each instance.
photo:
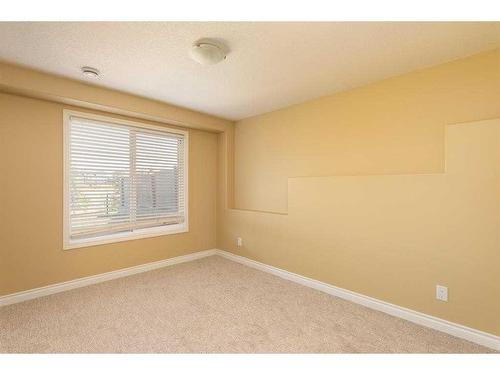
column 123, row 178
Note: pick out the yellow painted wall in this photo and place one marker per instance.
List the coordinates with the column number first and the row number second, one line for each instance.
column 359, row 176
column 31, row 201
column 393, row 126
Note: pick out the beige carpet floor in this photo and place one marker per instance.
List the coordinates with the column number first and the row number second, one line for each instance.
column 206, row 306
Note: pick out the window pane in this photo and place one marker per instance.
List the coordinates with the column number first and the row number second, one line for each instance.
column 123, row 178
column 100, row 177
column 157, row 166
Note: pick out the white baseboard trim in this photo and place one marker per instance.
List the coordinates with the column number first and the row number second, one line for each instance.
column 442, row 325
column 457, row 330
column 84, row 281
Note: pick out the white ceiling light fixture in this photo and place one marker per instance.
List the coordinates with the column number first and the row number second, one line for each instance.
column 90, row 72
column 207, row 52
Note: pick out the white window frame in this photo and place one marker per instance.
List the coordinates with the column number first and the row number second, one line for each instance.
column 69, row 243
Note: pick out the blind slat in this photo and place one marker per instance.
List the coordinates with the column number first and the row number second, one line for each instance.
column 123, row 178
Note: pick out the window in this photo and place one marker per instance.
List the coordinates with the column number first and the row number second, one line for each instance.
column 123, row 180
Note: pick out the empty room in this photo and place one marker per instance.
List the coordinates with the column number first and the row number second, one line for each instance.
column 250, row 187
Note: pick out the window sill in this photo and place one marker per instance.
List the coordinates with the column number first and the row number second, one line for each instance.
column 121, row 237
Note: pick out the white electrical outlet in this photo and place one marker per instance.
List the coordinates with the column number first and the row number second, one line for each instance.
column 239, row 241
column 442, row 293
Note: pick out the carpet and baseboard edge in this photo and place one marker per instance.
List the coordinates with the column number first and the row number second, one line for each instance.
column 99, row 278
column 457, row 330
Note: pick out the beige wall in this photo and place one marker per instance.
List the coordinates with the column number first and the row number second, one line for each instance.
column 31, row 170
column 367, row 207
column 393, row 126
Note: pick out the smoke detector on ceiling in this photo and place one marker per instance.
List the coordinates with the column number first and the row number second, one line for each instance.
column 90, row 72
column 208, row 52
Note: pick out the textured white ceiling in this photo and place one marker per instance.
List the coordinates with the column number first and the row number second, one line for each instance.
column 270, row 65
